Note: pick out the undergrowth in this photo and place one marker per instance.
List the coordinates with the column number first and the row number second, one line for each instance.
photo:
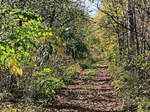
column 132, row 84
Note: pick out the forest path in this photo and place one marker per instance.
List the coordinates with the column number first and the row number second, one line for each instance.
column 88, row 94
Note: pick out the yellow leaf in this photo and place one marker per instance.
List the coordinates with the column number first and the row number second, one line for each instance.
column 14, row 70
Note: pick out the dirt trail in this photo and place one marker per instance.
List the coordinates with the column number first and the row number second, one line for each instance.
column 96, row 95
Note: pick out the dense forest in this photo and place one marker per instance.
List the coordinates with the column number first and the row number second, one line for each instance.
column 53, row 51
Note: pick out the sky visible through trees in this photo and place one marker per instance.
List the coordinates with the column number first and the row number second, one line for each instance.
column 92, row 7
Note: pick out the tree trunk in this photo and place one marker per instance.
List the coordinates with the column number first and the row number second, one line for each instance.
column 131, row 25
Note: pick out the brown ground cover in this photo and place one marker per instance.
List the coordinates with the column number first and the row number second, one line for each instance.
column 94, row 95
